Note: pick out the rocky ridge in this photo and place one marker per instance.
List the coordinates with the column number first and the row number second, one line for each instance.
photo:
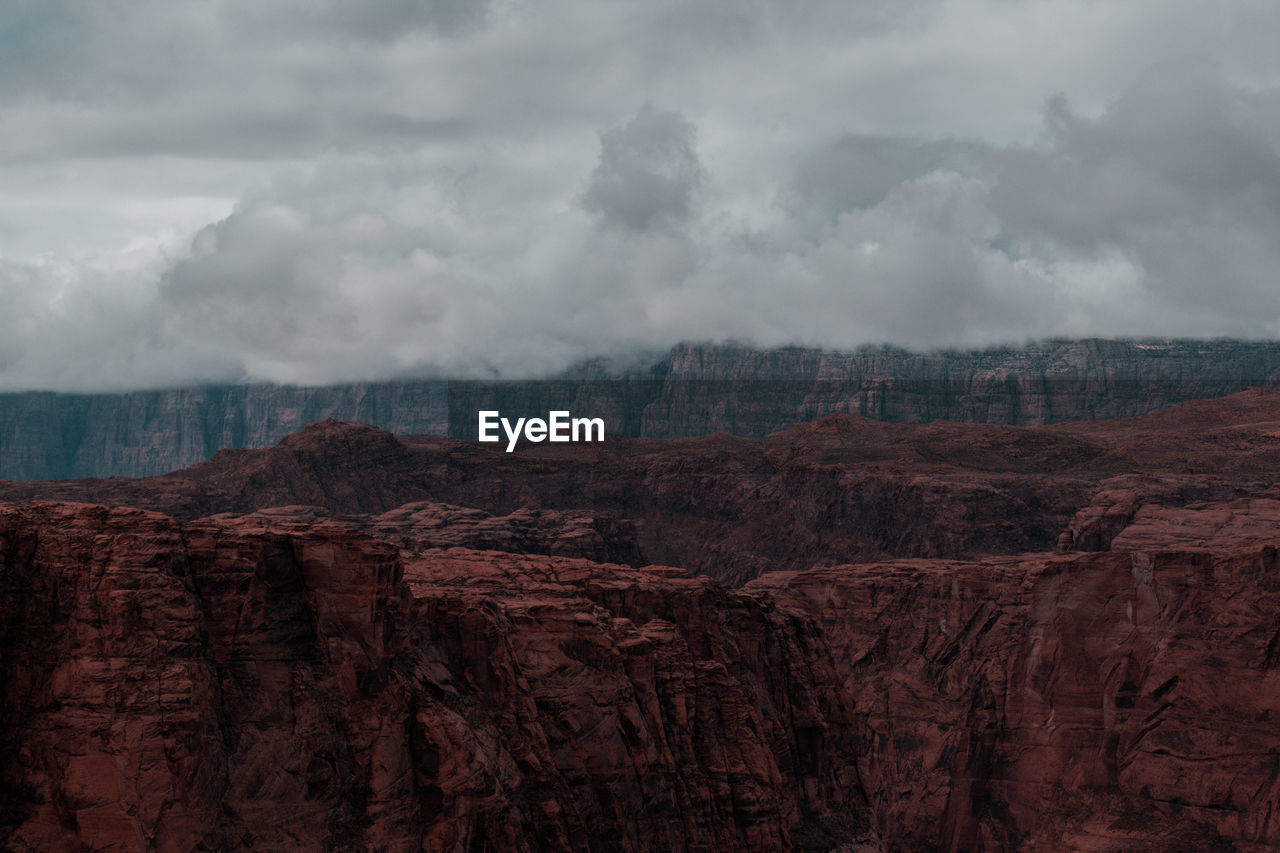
column 695, row 389
column 1107, row 701
column 842, row 489
column 942, row 637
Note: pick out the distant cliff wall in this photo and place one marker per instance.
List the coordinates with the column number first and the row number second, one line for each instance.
column 694, row 390
column 55, row 436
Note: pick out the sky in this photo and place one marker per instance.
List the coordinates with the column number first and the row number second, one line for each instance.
column 315, row 191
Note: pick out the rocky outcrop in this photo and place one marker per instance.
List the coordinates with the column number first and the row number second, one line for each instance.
column 360, row 641
column 257, row 683
column 841, row 489
column 424, row 526
column 636, row 710
column 1099, row 702
column 693, row 390
column 206, row 687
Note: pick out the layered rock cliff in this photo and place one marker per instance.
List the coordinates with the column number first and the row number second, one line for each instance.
column 52, row 436
column 1108, row 701
column 950, row 638
column 693, row 390
column 256, row 684
column 842, row 489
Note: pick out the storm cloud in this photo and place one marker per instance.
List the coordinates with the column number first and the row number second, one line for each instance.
column 305, row 192
column 648, row 172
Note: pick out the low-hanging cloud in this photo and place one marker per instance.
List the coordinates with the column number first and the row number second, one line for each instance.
column 416, row 235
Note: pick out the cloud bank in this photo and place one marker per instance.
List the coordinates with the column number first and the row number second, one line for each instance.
column 300, row 192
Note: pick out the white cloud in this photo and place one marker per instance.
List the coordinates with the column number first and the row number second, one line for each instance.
column 299, row 192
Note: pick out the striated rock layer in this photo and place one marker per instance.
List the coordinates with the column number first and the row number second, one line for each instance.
column 1110, row 701
column 44, row 435
column 839, row 490
column 947, row 637
column 693, row 390
column 252, row 683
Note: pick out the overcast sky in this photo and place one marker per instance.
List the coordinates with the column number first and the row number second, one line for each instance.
column 318, row 190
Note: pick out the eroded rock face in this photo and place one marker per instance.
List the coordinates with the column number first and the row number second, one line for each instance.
column 359, row 641
column 425, row 525
column 1111, row 701
column 841, row 489
column 249, row 683
column 213, row 686
column 109, row 732
column 640, row 709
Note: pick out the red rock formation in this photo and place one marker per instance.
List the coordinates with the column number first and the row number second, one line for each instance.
column 838, row 490
column 842, row 489
column 642, row 708
column 426, row 525
column 212, row 686
column 417, row 527
column 264, row 672
column 1118, row 701
column 259, row 684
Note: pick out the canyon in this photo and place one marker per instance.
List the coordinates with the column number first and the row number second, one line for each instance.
column 848, row 635
column 692, row 390
column 249, row 683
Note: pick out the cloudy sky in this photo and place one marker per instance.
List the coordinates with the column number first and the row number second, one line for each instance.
column 317, row 191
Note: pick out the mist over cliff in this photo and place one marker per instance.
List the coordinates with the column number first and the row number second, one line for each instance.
column 693, row 390
column 272, row 192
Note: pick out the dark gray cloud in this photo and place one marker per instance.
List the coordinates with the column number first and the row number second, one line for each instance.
column 648, row 172
column 374, row 20
column 325, row 191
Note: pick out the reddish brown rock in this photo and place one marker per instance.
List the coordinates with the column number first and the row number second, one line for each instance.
column 272, row 677
column 1100, row 702
column 109, row 733
column 212, row 686
column 840, row 489
column 425, row 525
column 256, row 683
column 643, row 709
column 1214, row 526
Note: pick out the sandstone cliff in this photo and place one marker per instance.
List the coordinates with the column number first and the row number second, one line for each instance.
column 355, row 640
column 1109, row 701
column 237, row 684
column 52, row 436
column 693, row 390
column 842, row 489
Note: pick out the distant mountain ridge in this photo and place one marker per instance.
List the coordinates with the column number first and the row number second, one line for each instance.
column 696, row 389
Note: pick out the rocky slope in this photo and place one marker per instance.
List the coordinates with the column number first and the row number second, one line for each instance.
column 726, row 506
column 693, row 390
